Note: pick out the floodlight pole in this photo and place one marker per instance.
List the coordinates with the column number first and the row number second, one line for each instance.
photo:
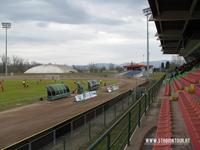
column 6, row 67
column 147, row 12
column 6, row 25
column 147, row 48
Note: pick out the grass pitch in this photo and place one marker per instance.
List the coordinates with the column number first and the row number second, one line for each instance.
column 16, row 95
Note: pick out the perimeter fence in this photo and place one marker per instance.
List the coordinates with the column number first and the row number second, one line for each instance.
column 119, row 134
column 81, row 131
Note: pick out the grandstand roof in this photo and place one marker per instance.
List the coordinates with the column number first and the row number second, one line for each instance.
column 51, row 69
column 136, row 65
column 178, row 26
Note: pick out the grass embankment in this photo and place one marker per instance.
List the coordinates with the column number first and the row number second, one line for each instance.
column 16, row 95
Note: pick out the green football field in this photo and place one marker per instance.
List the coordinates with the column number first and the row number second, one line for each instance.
column 16, row 95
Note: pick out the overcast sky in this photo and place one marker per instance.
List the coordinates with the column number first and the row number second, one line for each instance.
column 78, row 31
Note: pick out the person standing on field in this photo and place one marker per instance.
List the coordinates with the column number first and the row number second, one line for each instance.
column 1, row 86
column 24, row 83
column 27, row 85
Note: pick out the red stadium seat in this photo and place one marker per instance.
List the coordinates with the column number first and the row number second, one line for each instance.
column 197, row 90
column 191, row 113
column 178, row 84
column 175, row 87
column 167, row 89
column 185, row 82
column 194, row 77
column 191, row 80
column 196, row 73
column 164, row 127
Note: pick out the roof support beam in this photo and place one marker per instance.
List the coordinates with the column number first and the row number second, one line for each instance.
column 170, row 33
column 167, row 45
column 171, row 49
column 174, row 16
column 187, row 20
column 157, row 8
column 193, row 49
column 170, row 16
column 167, row 38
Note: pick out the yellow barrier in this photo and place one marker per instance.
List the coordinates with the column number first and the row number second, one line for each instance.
column 190, row 89
column 174, row 97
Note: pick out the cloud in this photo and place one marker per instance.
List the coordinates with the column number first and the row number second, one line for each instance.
column 41, row 10
column 77, row 31
column 59, row 11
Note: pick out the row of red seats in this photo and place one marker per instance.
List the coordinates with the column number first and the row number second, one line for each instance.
column 189, row 79
column 177, row 85
column 164, row 126
column 197, row 90
column 185, row 82
column 167, row 89
column 195, row 77
column 196, row 73
column 191, row 114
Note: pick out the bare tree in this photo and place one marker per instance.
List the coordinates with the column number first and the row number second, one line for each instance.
column 3, row 60
column 3, row 63
column 16, row 64
column 93, row 68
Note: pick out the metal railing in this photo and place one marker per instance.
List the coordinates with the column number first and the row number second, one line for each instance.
column 119, row 134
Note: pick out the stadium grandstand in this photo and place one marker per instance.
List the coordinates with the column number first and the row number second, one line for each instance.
column 173, row 121
column 178, row 28
column 135, row 70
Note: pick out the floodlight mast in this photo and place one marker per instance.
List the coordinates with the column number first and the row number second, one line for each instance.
column 147, row 12
column 7, row 26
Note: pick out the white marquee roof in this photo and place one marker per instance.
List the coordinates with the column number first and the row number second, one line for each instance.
column 51, row 69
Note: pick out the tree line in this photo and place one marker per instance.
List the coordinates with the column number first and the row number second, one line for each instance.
column 96, row 68
column 15, row 64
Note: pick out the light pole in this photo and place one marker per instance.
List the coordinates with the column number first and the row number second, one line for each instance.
column 7, row 26
column 143, row 59
column 147, row 12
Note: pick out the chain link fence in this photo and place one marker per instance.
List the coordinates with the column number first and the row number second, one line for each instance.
column 119, row 134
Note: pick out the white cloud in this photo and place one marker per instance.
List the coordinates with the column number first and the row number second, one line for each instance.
column 78, row 32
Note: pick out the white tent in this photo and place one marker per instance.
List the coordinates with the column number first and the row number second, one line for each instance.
column 50, row 69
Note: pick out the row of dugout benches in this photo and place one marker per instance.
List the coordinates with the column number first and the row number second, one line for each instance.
column 59, row 91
